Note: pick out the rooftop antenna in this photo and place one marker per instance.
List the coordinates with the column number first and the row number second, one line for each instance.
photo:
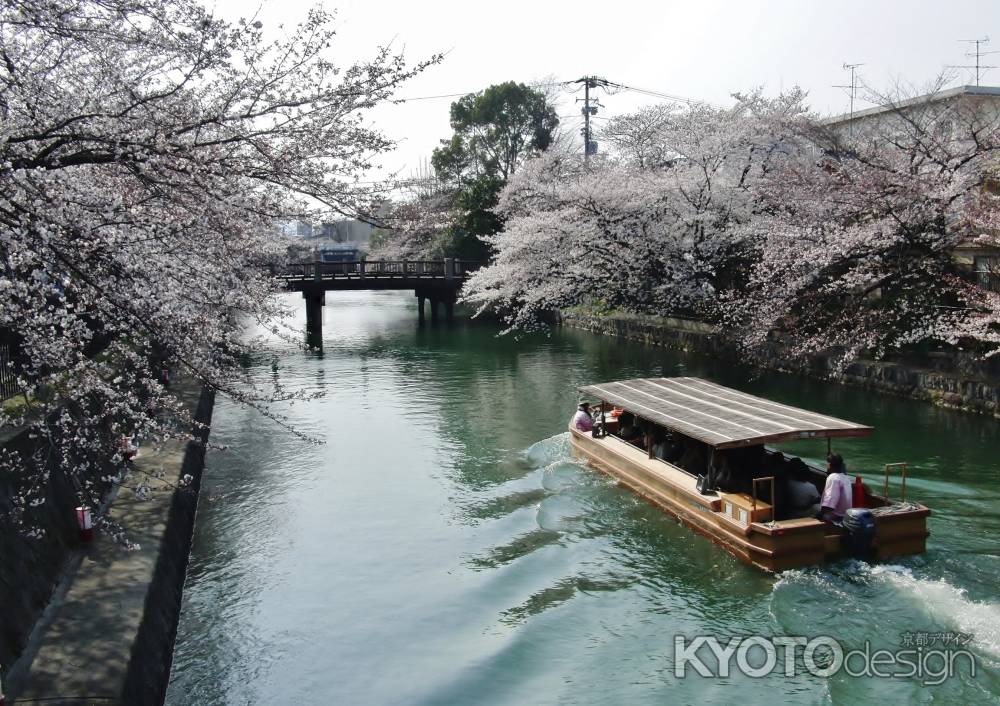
column 853, row 88
column 978, row 67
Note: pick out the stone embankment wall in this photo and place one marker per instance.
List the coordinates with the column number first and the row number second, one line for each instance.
column 954, row 380
column 953, row 390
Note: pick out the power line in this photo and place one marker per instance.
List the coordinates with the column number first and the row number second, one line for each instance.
column 667, row 96
column 610, row 85
column 590, row 105
column 430, row 98
column 466, row 93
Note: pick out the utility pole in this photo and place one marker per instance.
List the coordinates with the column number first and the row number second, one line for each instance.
column 590, row 106
column 978, row 67
column 853, row 88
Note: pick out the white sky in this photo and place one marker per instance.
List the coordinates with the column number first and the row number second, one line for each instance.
column 703, row 49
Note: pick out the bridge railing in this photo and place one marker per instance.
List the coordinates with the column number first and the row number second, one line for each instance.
column 464, row 268
column 379, row 268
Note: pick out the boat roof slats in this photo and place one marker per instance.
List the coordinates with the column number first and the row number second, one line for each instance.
column 719, row 416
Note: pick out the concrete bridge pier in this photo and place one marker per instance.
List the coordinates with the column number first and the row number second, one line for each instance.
column 439, row 298
column 315, row 300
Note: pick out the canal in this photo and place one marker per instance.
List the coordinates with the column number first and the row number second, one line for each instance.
column 441, row 546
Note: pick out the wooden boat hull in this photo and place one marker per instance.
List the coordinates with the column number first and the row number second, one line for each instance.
column 770, row 546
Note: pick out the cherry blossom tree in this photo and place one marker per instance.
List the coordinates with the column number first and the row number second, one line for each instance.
column 639, row 137
column 857, row 239
column 147, row 152
column 656, row 236
column 417, row 228
column 801, row 237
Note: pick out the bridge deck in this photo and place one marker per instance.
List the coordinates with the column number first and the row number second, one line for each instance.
column 401, row 274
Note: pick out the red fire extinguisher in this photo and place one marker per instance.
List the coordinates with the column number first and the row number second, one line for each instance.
column 859, row 493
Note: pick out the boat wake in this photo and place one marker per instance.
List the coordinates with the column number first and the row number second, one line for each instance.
column 912, row 603
column 547, row 451
column 947, row 604
column 559, row 470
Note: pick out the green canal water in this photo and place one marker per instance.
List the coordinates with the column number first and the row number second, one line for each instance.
column 441, row 546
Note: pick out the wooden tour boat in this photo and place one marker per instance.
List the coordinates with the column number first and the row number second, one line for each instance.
column 741, row 508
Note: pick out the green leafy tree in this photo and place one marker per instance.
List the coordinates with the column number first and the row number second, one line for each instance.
column 496, row 130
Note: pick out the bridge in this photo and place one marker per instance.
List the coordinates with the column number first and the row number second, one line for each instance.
column 436, row 281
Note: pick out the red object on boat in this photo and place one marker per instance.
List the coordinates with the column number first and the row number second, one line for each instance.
column 859, row 493
column 85, row 524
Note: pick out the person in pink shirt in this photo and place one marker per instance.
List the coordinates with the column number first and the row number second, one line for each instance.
column 837, row 496
column 582, row 421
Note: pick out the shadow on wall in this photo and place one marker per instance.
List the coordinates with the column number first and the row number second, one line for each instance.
column 32, row 566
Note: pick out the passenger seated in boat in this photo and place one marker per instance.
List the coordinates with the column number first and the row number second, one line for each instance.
column 694, row 458
column 582, row 421
column 658, row 440
column 735, row 469
column 803, row 497
column 727, row 478
column 644, row 437
column 628, row 429
column 666, row 446
column 837, row 495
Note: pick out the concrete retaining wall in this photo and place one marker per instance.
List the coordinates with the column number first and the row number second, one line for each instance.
column 956, row 381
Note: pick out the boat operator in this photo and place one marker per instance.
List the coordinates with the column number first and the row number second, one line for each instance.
column 582, row 421
column 837, row 496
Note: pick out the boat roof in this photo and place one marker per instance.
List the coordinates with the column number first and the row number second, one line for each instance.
column 720, row 416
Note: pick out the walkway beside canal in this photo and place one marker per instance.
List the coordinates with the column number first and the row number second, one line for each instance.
column 83, row 648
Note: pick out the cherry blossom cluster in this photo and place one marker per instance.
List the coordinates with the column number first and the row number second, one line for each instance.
column 793, row 233
column 657, row 229
column 858, row 238
column 148, row 153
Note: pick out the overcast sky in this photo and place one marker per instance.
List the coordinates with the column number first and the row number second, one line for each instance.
column 705, row 49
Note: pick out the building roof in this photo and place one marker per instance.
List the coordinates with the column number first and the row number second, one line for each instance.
column 987, row 91
column 720, row 416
